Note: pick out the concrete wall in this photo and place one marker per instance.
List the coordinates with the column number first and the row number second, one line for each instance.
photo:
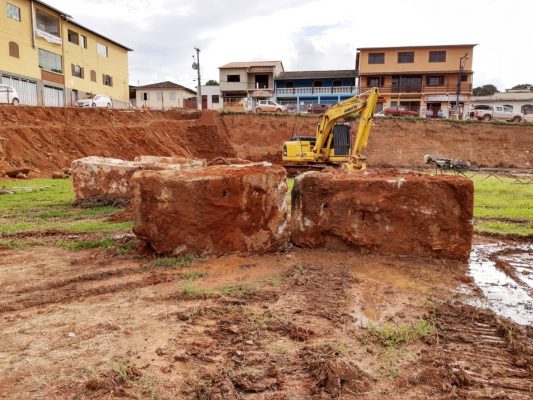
column 226, row 86
column 211, row 91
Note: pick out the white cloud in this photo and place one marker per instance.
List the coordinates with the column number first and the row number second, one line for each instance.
column 303, row 34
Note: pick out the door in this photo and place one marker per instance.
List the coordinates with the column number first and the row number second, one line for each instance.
column 204, row 102
column 26, row 89
column 53, row 97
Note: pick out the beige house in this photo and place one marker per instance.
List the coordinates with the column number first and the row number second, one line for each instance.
column 418, row 77
column 162, row 95
column 251, row 79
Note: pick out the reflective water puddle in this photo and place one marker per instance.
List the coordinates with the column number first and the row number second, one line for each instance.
column 505, row 276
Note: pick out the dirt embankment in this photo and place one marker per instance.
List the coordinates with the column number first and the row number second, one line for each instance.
column 46, row 139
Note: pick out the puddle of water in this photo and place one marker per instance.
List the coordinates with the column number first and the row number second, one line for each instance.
column 503, row 294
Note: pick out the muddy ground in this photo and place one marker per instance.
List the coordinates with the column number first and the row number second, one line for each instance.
column 297, row 325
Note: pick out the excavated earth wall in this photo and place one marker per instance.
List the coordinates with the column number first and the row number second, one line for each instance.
column 49, row 139
column 410, row 214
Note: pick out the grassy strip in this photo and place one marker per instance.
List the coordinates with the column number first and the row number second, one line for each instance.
column 172, row 262
column 86, row 244
column 392, row 335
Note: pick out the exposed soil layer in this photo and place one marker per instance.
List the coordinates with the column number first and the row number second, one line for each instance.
column 215, row 210
column 48, row 139
column 410, row 214
column 284, row 326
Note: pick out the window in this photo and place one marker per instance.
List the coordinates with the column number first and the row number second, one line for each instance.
column 145, row 96
column 107, row 80
column 337, row 83
column 406, row 57
column 172, row 95
column 215, row 99
column 77, row 71
column 464, row 78
column 527, row 109
column 435, row 80
column 317, row 84
column 374, row 81
column 50, row 61
column 159, row 95
column 47, row 23
column 101, row 49
column 73, row 37
column 508, row 107
column 261, row 81
column 13, row 50
column 13, row 12
column 83, row 41
column 376, row 58
column 93, row 75
column 289, row 84
column 437, row 56
column 234, row 78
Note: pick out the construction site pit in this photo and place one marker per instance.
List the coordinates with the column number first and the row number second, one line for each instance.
column 100, row 300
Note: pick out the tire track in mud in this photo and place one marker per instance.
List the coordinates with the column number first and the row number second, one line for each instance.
column 72, row 289
column 481, row 356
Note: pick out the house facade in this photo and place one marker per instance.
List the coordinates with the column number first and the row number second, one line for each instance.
column 211, row 99
column 162, row 95
column 297, row 89
column 517, row 100
column 420, row 78
column 51, row 60
column 253, row 80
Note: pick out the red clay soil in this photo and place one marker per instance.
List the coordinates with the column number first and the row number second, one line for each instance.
column 406, row 214
column 215, row 210
column 48, row 139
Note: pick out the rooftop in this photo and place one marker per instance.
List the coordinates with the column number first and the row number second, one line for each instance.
column 165, row 85
column 71, row 20
column 432, row 46
column 250, row 64
column 346, row 73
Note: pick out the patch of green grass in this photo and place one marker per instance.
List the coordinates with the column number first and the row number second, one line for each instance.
column 505, row 228
column 274, row 280
column 191, row 290
column 172, row 262
column 336, row 348
column 391, row 335
column 86, row 244
column 98, row 226
column 17, row 245
column 46, row 193
column 238, row 290
column 192, row 275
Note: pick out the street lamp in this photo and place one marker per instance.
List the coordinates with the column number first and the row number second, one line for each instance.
column 462, row 62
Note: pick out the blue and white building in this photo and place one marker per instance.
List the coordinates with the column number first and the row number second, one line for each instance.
column 298, row 89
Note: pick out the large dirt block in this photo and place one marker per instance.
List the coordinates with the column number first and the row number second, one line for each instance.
column 107, row 180
column 215, row 210
column 408, row 214
column 185, row 163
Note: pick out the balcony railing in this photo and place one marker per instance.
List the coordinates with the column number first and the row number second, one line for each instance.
column 316, row 90
column 421, row 88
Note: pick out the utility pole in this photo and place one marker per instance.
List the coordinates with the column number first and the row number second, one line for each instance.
column 462, row 62
column 196, row 66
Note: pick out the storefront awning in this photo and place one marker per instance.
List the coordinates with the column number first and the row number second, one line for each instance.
column 445, row 98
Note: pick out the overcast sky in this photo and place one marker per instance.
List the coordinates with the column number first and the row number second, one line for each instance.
column 306, row 34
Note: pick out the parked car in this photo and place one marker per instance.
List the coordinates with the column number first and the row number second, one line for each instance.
column 502, row 113
column 8, row 95
column 269, row 106
column 399, row 112
column 317, row 108
column 97, row 101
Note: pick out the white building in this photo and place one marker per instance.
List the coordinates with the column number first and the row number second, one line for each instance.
column 518, row 100
column 162, row 95
column 211, row 99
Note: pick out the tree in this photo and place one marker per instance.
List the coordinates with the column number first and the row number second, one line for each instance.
column 523, row 86
column 485, row 90
column 211, row 82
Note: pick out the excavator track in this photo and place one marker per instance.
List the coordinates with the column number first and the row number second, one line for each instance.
column 294, row 169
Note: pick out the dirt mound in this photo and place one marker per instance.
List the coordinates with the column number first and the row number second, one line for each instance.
column 48, row 139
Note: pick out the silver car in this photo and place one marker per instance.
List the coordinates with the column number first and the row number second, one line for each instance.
column 8, row 95
column 97, row 101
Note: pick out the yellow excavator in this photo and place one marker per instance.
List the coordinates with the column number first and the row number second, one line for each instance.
column 333, row 144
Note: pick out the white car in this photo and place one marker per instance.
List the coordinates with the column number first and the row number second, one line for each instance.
column 8, row 95
column 97, row 101
column 269, row 106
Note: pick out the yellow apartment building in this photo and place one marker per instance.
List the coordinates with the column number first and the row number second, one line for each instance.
column 426, row 79
column 51, row 60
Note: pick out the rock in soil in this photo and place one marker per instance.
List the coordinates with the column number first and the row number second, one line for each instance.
column 406, row 214
column 19, row 173
column 215, row 210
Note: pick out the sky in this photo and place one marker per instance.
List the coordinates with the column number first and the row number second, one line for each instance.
column 306, row 34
